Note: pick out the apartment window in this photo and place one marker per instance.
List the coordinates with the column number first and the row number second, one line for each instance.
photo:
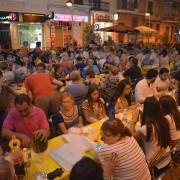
column 150, row 7
column 135, row 4
column 157, row 27
column 127, row 4
column 78, row 2
column 124, row 4
column 97, row 4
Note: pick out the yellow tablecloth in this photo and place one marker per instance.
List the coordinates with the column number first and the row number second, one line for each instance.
column 48, row 164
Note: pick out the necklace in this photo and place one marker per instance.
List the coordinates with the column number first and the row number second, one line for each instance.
column 67, row 114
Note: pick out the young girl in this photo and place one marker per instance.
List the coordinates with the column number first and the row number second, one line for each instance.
column 93, row 107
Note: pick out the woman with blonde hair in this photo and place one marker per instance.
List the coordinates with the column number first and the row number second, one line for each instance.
column 68, row 115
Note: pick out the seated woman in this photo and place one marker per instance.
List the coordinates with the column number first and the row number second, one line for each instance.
column 130, row 160
column 93, row 107
column 68, row 115
column 170, row 111
column 122, row 96
column 154, row 132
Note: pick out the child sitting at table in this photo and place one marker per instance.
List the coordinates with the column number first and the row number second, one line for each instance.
column 93, row 107
column 20, row 88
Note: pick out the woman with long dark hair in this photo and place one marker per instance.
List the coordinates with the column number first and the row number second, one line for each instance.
column 154, row 132
column 170, row 111
column 122, row 96
column 93, row 107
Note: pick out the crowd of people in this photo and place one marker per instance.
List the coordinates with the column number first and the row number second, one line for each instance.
column 44, row 93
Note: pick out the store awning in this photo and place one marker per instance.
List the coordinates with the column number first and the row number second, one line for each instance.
column 120, row 28
column 145, row 30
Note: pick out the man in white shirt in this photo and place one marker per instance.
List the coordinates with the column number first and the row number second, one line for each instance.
column 145, row 87
column 162, row 83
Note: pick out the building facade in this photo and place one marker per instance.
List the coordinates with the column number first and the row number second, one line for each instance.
column 67, row 24
column 21, row 20
column 163, row 16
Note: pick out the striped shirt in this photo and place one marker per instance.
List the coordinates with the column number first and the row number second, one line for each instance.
column 131, row 163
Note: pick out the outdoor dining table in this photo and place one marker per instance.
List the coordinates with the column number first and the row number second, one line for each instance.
column 48, row 164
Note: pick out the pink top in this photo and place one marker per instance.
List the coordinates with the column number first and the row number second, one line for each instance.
column 26, row 125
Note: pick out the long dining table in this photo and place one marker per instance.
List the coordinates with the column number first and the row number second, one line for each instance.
column 48, row 164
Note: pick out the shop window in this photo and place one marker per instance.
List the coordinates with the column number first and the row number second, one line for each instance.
column 150, row 7
column 31, row 33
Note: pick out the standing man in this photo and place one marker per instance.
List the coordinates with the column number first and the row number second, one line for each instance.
column 40, row 90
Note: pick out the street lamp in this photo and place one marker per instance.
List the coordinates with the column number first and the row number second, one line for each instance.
column 115, row 18
column 148, row 15
column 69, row 3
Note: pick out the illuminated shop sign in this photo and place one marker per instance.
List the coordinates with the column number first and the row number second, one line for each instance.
column 6, row 16
column 103, row 17
column 66, row 17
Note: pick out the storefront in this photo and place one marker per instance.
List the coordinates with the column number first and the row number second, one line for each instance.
column 15, row 28
column 102, row 20
column 6, row 18
column 30, row 29
column 65, row 28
